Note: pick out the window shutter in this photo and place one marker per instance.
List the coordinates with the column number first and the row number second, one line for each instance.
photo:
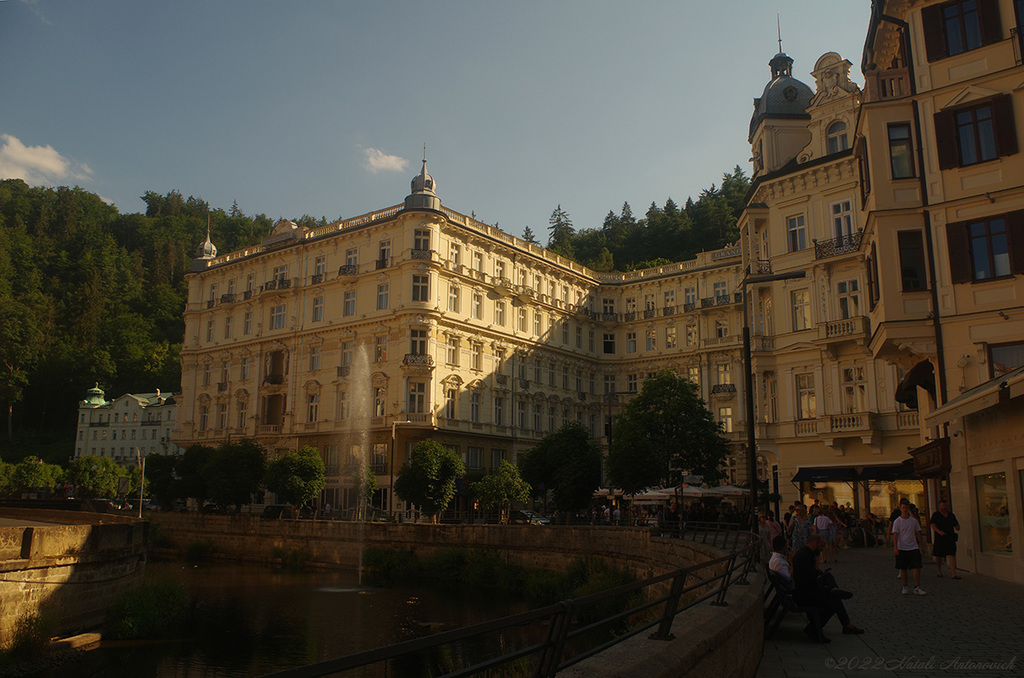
column 934, row 34
column 991, row 27
column 959, row 252
column 1005, row 126
column 945, row 140
column 1015, row 228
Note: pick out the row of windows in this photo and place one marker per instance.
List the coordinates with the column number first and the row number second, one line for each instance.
column 101, row 434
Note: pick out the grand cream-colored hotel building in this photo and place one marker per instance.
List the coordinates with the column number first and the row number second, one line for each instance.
column 886, row 370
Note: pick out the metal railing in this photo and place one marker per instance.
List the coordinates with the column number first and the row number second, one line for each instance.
column 570, row 634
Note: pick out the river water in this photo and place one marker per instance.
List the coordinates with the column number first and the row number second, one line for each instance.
column 252, row 620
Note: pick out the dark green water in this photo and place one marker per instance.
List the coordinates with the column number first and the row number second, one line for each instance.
column 252, row 620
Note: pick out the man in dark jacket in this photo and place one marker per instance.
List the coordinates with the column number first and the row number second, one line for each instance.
column 817, row 588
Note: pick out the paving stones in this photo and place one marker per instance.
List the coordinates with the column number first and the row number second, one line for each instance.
column 972, row 627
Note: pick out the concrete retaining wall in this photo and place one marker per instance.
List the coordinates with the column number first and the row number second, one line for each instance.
column 710, row 641
column 66, row 566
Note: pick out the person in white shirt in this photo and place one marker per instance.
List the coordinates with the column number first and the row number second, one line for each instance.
column 906, row 546
column 779, row 563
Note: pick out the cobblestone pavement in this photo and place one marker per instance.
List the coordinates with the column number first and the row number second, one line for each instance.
column 972, row 627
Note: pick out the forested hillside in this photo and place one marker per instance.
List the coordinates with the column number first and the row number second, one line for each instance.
column 89, row 295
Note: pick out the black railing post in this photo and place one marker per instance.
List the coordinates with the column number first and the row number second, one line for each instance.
column 554, row 644
column 664, row 631
column 720, row 600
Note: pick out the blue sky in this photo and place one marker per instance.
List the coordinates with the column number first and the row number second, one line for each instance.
column 323, row 108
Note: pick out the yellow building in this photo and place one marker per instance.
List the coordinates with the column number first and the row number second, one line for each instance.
column 944, row 239
column 826, row 415
column 417, row 321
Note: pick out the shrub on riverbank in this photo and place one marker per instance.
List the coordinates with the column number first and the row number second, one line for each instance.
column 482, row 570
column 155, row 610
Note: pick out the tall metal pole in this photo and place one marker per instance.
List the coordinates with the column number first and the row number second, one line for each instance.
column 748, row 389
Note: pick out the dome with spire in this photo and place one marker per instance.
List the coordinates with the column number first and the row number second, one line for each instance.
column 783, row 97
column 423, row 196
column 207, row 250
column 95, row 396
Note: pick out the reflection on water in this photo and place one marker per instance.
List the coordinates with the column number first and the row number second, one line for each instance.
column 251, row 620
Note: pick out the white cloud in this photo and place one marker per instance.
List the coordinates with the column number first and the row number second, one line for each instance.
column 379, row 161
column 37, row 165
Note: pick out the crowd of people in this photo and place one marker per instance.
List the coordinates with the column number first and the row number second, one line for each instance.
column 812, row 536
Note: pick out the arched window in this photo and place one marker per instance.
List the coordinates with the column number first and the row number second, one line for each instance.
column 835, row 137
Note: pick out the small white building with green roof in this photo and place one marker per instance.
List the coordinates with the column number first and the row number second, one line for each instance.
column 126, row 427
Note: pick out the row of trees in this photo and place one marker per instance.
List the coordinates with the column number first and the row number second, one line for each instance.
column 664, row 431
column 624, row 242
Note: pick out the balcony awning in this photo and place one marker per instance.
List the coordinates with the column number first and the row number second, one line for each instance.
column 825, row 474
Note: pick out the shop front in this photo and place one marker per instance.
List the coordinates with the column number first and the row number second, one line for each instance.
column 986, row 480
column 877, row 489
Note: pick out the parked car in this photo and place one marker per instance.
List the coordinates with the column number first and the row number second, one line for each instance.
column 524, row 517
column 276, row 511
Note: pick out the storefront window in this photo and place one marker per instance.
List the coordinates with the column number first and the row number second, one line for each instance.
column 993, row 517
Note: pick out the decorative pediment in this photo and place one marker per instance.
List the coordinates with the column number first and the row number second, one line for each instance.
column 969, row 94
column 311, row 386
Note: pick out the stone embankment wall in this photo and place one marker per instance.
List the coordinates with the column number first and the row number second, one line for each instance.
column 69, row 569
column 710, row 641
column 339, row 544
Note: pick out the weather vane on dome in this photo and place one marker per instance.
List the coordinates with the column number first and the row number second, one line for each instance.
column 778, row 25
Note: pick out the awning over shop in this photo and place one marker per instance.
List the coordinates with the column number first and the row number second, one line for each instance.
column 981, row 397
column 825, row 474
column 887, row 472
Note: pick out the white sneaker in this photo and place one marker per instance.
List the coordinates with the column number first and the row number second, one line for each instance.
column 918, row 591
column 905, row 591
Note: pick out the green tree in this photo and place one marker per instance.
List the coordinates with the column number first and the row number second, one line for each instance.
column 561, row 233
column 568, row 464
column 190, row 471
column 32, row 474
column 95, row 476
column 667, row 425
column 161, row 479
column 429, row 479
column 501, row 489
column 297, row 477
column 6, row 479
column 234, row 472
column 528, row 235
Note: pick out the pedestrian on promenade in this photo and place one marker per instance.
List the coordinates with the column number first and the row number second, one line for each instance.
column 945, row 526
column 907, row 539
column 824, row 527
column 799, row 528
column 817, row 588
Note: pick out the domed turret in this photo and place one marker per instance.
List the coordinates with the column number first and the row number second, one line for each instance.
column 423, row 196
column 95, row 397
column 783, row 97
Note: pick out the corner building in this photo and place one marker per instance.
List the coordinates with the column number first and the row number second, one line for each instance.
column 943, row 187
column 827, row 422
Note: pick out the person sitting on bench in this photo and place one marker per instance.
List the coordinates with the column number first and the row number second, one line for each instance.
column 817, row 588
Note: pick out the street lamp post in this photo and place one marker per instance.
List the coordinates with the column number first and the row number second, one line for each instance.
column 748, row 378
column 391, row 467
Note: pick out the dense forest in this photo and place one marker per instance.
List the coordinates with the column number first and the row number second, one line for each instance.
column 89, row 295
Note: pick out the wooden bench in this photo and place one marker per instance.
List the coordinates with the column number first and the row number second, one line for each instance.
column 779, row 601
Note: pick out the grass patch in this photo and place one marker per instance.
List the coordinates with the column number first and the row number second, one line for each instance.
column 32, row 634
